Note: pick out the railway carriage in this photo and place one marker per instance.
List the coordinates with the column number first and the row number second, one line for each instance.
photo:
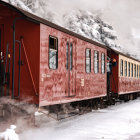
column 48, row 64
column 125, row 79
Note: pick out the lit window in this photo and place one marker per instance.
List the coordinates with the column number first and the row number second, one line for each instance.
column 128, row 69
column 125, row 67
column 88, row 60
column 103, row 63
column 53, row 52
column 121, row 67
column 96, row 61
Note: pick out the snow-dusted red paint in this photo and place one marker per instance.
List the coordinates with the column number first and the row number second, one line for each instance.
column 45, row 86
column 54, row 83
column 52, row 86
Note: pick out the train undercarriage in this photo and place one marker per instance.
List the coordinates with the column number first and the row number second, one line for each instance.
column 14, row 111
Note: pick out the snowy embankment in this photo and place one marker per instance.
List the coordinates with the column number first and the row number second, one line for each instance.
column 120, row 122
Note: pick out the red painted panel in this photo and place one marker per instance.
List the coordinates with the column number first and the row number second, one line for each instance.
column 54, row 83
column 31, row 36
column 124, row 85
column 128, row 85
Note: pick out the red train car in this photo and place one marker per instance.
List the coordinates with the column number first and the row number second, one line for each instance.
column 49, row 64
column 125, row 79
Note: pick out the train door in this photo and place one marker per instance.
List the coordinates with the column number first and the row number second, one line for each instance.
column 70, row 68
column 1, row 59
column 1, row 37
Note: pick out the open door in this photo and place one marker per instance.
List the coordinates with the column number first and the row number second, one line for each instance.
column 1, row 61
column 70, row 68
column 1, row 37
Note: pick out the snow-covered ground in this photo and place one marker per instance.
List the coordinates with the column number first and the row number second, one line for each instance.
column 9, row 134
column 119, row 122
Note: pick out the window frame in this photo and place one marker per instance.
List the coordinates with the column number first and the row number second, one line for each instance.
column 135, row 71
column 67, row 55
column 132, row 70
column 129, row 69
column 121, row 67
column 86, row 61
column 102, row 63
column 97, row 61
column 51, row 36
column 139, row 71
column 125, row 68
column 71, row 56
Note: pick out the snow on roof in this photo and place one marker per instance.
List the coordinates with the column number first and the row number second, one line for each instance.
column 39, row 20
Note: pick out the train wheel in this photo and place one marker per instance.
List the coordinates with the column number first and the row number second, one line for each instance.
column 126, row 98
column 131, row 96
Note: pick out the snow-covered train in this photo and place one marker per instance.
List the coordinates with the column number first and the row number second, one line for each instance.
column 49, row 65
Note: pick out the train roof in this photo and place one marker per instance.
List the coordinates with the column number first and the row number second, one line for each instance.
column 117, row 52
column 38, row 20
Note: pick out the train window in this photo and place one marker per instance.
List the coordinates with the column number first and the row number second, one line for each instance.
column 53, row 52
column 67, row 55
column 88, row 60
column 137, row 71
column 134, row 70
column 125, row 68
column 71, row 55
column 128, row 69
column 96, row 61
column 103, row 63
column 121, row 67
column 131, row 69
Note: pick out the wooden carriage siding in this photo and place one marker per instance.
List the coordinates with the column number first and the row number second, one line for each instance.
column 64, row 85
column 122, row 83
column 129, row 79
